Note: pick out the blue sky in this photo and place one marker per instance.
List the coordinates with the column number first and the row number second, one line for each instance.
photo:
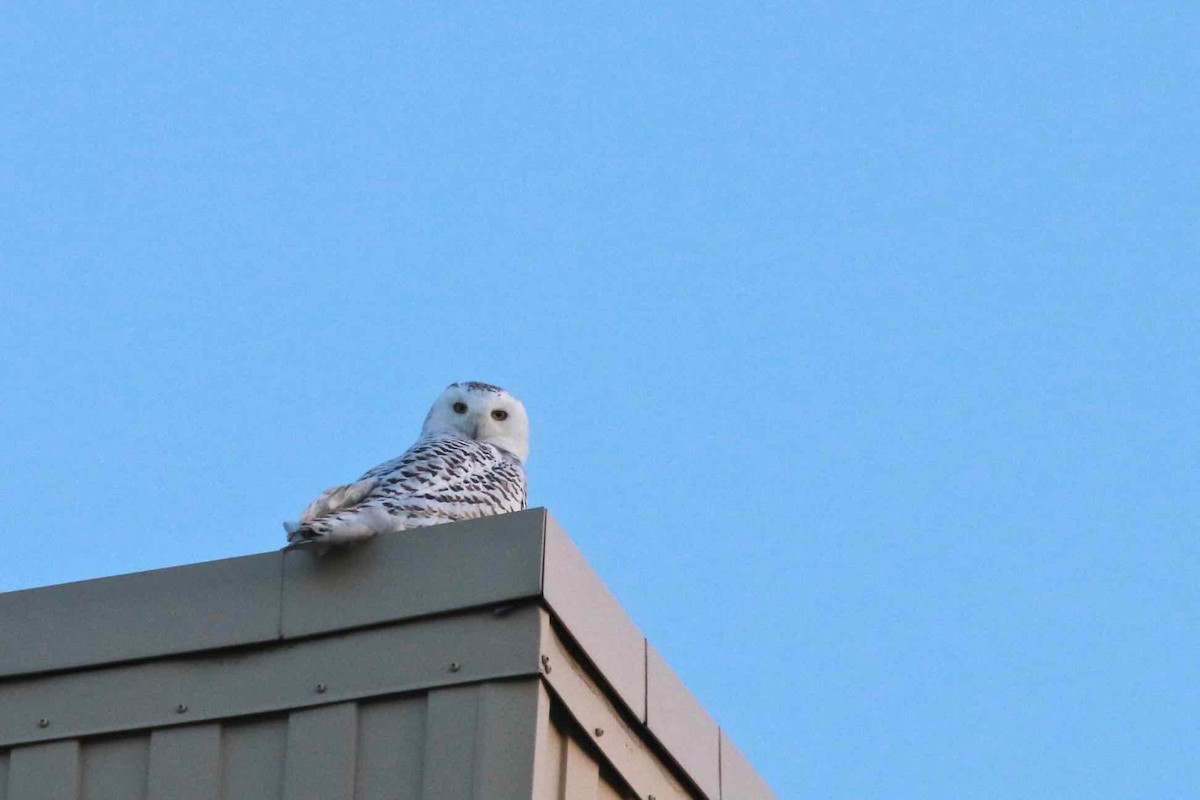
column 860, row 341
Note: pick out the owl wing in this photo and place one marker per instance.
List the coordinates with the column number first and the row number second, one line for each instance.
column 439, row 479
column 337, row 498
column 451, row 473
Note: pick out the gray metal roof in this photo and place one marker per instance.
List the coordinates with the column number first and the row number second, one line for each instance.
column 481, row 659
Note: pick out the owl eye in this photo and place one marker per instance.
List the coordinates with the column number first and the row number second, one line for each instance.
column 460, row 408
column 500, row 414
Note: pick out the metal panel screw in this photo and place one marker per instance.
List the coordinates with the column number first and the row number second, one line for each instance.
column 321, row 688
column 599, row 732
column 43, row 723
column 455, row 666
column 546, row 664
column 181, row 708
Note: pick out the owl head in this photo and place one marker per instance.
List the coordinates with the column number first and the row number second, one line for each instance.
column 482, row 412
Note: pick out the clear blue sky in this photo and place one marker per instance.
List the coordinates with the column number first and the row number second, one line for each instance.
column 860, row 341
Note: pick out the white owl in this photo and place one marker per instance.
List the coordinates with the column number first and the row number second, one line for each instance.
column 467, row 463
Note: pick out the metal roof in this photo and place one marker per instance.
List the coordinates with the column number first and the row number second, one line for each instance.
column 481, row 659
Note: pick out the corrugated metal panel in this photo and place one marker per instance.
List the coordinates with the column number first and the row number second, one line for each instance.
column 475, row 660
column 572, row 769
column 321, row 755
column 488, row 729
column 45, row 772
column 253, row 753
column 115, row 768
column 185, row 763
column 366, row 663
column 606, row 729
column 391, row 749
column 459, row 743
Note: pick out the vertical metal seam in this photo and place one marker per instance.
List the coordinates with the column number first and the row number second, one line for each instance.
column 480, row 744
column 282, row 594
column 721, row 763
column 542, row 581
column 645, row 681
column 563, row 766
column 423, row 743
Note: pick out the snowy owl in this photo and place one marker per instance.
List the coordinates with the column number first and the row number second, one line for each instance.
column 467, row 463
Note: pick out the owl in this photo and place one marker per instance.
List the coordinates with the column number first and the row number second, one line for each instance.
column 468, row 462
